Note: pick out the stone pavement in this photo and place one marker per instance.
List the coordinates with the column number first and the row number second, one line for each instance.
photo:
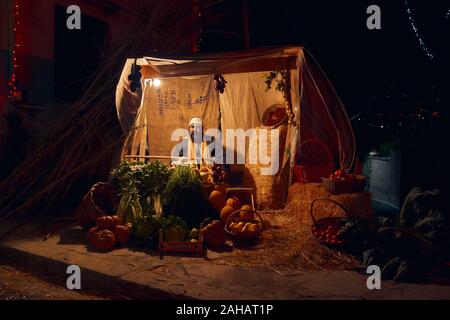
column 146, row 275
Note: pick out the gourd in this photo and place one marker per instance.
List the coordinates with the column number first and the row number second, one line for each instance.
column 226, row 212
column 234, row 203
column 214, row 234
column 101, row 239
column 123, row 233
column 108, row 222
column 217, row 200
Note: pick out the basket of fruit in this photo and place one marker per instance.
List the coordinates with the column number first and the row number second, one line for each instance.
column 327, row 230
column 310, row 168
column 341, row 182
column 244, row 225
column 274, row 116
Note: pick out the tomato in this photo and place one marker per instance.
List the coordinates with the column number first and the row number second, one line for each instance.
column 340, row 173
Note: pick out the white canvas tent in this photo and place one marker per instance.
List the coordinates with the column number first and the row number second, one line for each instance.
column 186, row 89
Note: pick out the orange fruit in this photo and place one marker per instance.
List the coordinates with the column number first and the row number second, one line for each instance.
column 247, row 212
column 225, row 213
column 217, row 200
column 234, row 203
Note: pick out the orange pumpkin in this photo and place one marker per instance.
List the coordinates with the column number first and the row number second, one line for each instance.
column 234, row 203
column 108, row 222
column 102, row 239
column 214, row 234
column 123, row 233
column 226, row 212
column 217, row 200
column 247, row 212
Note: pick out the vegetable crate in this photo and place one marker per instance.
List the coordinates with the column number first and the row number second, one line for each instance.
column 193, row 248
column 245, row 195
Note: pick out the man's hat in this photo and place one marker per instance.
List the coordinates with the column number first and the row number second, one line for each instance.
column 196, row 122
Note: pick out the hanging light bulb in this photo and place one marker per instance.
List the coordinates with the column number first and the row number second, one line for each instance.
column 157, row 83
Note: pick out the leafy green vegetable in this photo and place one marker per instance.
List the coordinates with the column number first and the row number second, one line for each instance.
column 145, row 182
column 171, row 221
column 185, row 197
column 145, row 230
column 122, row 179
column 129, row 207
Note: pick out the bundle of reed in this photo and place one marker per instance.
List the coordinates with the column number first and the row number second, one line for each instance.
column 79, row 153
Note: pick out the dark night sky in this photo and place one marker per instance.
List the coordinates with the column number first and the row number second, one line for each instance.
column 361, row 63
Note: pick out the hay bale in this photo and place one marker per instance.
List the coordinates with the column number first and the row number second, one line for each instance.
column 270, row 191
column 359, row 204
column 287, row 246
column 306, row 192
column 301, row 195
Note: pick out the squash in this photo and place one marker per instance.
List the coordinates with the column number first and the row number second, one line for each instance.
column 102, row 239
column 217, row 200
column 214, row 234
column 175, row 233
column 246, row 212
column 123, row 233
column 108, row 222
column 234, row 203
column 226, row 212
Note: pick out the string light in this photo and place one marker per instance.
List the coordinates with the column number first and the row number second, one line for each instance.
column 416, row 32
column 14, row 92
column 197, row 11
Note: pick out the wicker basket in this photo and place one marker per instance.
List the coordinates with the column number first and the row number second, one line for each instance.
column 323, row 224
column 344, row 186
column 243, row 237
column 99, row 201
column 307, row 173
column 268, row 112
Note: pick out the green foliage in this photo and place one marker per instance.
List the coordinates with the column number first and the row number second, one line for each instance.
column 145, row 231
column 122, row 179
column 171, row 221
column 279, row 78
column 385, row 148
column 184, row 196
column 143, row 181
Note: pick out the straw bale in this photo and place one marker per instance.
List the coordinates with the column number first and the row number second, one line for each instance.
column 270, row 190
column 301, row 195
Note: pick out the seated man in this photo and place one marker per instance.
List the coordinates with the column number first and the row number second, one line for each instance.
column 194, row 150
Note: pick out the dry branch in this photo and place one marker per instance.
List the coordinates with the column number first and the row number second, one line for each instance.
column 79, row 153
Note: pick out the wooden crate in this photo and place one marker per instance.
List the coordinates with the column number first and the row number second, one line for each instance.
column 186, row 247
column 245, row 195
